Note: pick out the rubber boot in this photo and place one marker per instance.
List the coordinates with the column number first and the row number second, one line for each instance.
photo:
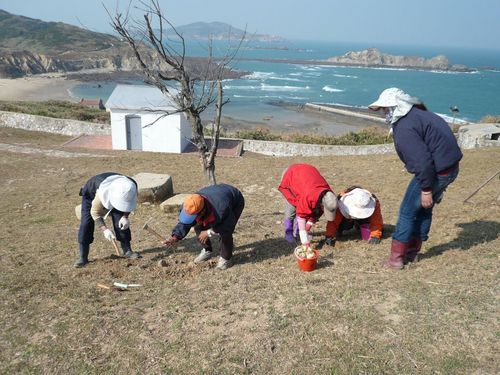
column 396, row 258
column 414, row 246
column 289, row 230
column 127, row 251
column 84, row 256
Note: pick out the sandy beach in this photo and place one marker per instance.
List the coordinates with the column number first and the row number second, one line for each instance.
column 37, row 88
column 284, row 119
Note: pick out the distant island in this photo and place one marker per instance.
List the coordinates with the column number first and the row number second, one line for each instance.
column 373, row 58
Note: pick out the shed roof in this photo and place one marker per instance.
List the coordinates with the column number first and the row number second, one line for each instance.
column 138, row 97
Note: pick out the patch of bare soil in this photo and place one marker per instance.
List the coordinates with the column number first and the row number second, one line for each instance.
column 263, row 315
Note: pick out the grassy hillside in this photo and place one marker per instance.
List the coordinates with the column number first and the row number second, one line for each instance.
column 23, row 33
column 262, row 316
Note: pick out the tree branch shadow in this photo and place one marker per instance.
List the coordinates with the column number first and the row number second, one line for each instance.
column 472, row 234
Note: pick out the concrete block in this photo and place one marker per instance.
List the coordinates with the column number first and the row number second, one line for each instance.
column 78, row 211
column 173, row 204
column 479, row 135
column 153, row 188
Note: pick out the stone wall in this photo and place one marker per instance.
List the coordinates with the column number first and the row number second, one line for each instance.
column 293, row 149
column 52, row 125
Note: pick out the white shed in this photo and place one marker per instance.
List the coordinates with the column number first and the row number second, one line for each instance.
column 138, row 120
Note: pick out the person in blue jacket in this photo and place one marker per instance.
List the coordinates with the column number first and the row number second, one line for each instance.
column 428, row 148
column 214, row 212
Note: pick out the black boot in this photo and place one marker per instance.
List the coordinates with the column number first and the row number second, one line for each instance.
column 127, row 251
column 84, row 256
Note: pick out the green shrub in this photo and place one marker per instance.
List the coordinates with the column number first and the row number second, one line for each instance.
column 368, row 136
column 57, row 109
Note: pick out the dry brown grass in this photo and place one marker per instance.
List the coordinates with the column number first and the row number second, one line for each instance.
column 262, row 316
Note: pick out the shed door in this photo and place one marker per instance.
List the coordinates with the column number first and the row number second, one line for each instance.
column 134, row 132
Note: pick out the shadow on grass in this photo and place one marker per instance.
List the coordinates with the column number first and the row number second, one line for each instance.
column 262, row 250
column 186, row 245
column 472, row 234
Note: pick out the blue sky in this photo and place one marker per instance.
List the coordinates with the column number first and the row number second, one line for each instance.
column 460, row 23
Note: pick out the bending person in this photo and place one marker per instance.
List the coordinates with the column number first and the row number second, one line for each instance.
column 214, row 212
column 106, row 194
column 308, row 196
column 357, row 208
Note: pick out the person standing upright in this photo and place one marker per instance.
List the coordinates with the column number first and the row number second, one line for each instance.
column 428, row 148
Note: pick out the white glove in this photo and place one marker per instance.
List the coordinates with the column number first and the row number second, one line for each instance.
column 124, row 223
column 305, row 238
column 109, row 235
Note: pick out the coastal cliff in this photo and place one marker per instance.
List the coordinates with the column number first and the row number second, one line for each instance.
column 372, row 57
column 118, row 62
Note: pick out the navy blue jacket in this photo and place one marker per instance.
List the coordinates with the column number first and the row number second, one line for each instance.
column 226, row 203
column 426, row 144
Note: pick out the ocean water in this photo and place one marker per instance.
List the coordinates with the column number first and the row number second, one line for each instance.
column 476, row 94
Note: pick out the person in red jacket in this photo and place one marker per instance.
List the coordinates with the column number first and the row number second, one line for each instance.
column 357, row 208
column 308, row 196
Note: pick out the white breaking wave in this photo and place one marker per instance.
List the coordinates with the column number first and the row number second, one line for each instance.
column 286, row 79
column 229, row 87
column 331, row 89
column 259, row 75
column 344, row 76
column 266, row 87
column 450, row 120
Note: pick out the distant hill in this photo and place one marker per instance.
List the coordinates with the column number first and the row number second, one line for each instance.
column 19, row 33
column 31, row 46
column 219, row 31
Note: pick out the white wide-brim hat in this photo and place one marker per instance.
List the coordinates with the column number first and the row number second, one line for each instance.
column 387, row 98
column 357, row 204
column 123, row 194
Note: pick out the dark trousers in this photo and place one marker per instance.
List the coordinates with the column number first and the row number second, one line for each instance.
column 86, row 231
column 225, row 240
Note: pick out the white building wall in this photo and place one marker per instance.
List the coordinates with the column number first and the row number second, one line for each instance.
column 167, row 134
column 118, row 130
column 162, row 135
column 186, row 131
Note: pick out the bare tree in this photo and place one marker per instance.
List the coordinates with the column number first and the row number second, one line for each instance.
column 163, row 61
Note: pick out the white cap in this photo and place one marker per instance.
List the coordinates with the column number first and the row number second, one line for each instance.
column 357, row 204
column 330, row 205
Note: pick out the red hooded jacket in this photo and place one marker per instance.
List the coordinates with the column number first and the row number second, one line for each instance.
column 303, row 186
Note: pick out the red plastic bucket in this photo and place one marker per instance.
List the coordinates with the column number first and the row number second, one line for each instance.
column 308, row 265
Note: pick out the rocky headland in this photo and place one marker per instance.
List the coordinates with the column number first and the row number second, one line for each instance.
column 373, row 58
